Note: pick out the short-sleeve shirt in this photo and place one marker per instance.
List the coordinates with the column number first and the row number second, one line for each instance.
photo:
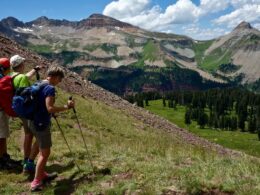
column 21, row 80
column 43, row 117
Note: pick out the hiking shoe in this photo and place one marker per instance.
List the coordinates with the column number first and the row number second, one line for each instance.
column 8, row 165
column 5, row 166
column 29, row 167
column 7, row 158
column 36, row 185
column 47, row 177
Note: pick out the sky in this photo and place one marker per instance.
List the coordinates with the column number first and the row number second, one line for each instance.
column 199, row 19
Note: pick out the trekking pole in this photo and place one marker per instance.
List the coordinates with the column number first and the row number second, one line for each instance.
column 65, row 140
column 81, row 132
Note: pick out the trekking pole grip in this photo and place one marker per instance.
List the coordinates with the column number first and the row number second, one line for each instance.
column 70, row 98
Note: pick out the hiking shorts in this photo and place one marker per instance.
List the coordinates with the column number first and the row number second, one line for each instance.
column 4, row 125
column 25, row 125
column 43, row 137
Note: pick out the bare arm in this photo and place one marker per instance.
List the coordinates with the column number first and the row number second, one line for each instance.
column 33, row 71
column 30, row 73
column 49, row 101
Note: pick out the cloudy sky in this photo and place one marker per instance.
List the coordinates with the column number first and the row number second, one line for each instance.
column 199, row 19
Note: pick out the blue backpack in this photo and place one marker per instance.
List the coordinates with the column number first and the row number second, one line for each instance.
column 25, row 101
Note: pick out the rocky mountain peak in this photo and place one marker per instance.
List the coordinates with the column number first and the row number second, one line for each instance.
column 41, row 20
column 100, row 16
column 12, row 22
column 244, row 26
column 99, row 20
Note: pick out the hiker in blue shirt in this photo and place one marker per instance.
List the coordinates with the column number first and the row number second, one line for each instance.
column 40, row 125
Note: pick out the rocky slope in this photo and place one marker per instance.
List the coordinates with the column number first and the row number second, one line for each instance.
column 242, row 46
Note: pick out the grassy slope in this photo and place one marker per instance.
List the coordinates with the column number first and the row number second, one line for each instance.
column 245, row 142
column 212, row 61
column 142, row 159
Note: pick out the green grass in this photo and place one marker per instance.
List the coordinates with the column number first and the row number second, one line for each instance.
column 212, row 61
column 246, row 142
column 217, row 57
column 199, row 49
column 90, row 47
column 150, row 51
column 142, row 160
column 40, row 48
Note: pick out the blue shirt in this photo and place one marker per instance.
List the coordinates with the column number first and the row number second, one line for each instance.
column 43, row 117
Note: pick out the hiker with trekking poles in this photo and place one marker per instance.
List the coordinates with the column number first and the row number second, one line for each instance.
column 40, row 124
column 21, row 81
column 10, row 81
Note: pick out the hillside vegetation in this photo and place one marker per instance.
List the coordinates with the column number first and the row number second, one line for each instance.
column 243, row 141
column 143, row 160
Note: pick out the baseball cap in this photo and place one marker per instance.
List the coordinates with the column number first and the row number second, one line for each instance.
column 16, row 60
column 4, row 62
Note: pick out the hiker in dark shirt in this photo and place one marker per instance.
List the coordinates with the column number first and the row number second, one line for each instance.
column 40, row 126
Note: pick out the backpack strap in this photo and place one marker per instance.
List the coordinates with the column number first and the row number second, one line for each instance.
column 13, row 77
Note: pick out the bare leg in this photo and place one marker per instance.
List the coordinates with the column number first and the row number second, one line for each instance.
column 27, row 144
column 34, row 151
column 41, row 163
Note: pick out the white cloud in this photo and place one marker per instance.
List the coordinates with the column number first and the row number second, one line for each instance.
column 248, row 13
column 185, row 12
column 138, row 13
column 212, row 6
column 240, row 3
column 200, row 33
column 125, row 9
column 257, row 25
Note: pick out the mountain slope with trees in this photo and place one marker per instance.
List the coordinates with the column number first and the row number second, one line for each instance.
column 100, row 42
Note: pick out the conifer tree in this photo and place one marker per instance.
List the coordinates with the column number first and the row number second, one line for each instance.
column 203, row 119
column 146, row 102
column 241, row 123
column 188, row 116
column 164, row 102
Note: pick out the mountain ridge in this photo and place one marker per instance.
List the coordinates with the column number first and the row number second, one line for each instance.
column 102, row 41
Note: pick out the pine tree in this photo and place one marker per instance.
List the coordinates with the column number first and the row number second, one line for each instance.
column 241, row 123
column 252, row 124
column 258, row 121
column 211, row 119
column 164, row 102
column 234, row 123
column 146, row 102
column 188, row 116
column 222, row 122
column 203, row 119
